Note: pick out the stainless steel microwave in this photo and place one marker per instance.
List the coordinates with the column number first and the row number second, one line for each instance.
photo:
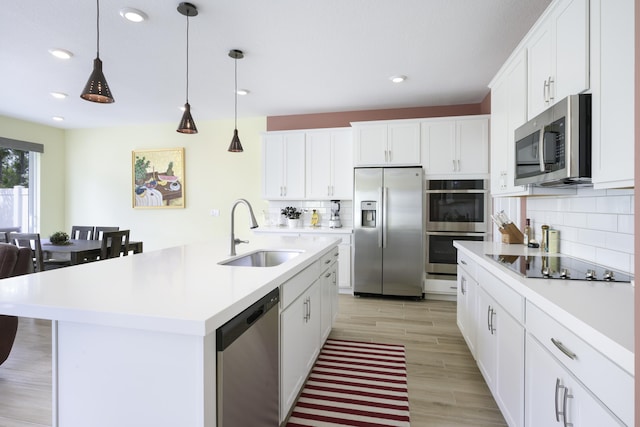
column 554, row 148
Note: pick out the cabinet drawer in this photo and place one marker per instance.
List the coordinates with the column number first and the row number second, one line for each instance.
column 329, row 258
column 470, row 266
column 449, row 287
column 294, row 287
column 610, row 383
column 509, row 299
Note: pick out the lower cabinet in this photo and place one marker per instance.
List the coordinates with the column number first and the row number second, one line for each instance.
column 466, row 307
column 555, row 397
column 309, row 305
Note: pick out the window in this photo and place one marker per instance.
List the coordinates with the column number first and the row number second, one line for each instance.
column 19, row 178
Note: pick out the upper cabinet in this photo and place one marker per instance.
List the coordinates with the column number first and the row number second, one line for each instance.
column 385, row 143
column 455, row 146
column 612, row 77
column 558, row 55
column 283, row 165
column 329, row 164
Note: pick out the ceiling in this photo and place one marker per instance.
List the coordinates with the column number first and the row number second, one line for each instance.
column 301, row 56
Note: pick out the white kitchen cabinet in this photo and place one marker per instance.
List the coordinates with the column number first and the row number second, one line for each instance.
column 555, row 397
column 500, row 353
column 558, row 55
column 455, row 146
column 283, row 165
column 329, row 164
column 612, row 56
column 383, row 143
column 329, row 289
column 508, row 112
column 467, row 301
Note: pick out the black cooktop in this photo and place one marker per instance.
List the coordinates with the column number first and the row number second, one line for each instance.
column 561, row 267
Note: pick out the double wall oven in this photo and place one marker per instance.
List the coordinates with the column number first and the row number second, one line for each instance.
column 455, row 210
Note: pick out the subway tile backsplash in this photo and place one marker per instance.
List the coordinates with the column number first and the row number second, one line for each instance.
column 596, row 225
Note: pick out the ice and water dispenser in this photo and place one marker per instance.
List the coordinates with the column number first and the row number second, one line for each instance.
column 368, row 210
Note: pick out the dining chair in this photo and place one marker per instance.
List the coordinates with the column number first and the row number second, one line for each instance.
column 14, row 261
column 32, row 241
column 99, row 230
column 114, row 244
column 82, row 232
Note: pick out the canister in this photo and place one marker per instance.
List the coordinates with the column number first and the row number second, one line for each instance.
column 553, row 241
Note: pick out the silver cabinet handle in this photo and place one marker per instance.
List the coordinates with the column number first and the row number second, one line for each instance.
column 463, row 282
column 328, row 190
column 463, row 262
column 306, row 310
column 489, row 318
column 570, row 354
column 390, row 155
column 458, row 165
column 491, row 328
column 556, row 400
column 327, row 261
column 564, row 407
column 550, row 89
column 454, row 165
column 309, row 307
column 386, row 156
column 545, row 91
column 327, row 275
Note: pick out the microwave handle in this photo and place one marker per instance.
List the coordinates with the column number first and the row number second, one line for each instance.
column 541, row 150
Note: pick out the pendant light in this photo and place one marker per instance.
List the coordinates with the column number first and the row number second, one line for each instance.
column 187, row 125
column 97, row 89
column 236, row 146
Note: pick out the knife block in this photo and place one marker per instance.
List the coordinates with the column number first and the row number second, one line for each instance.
column 511, row 234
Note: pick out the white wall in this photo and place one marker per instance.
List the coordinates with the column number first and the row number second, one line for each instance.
column 596, row 225
column 99, row 180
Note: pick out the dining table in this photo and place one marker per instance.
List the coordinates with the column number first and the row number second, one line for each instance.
column 80, row 250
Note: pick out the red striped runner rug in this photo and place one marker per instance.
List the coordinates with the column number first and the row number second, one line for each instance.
column 355, row 384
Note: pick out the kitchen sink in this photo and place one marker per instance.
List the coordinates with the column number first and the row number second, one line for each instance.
column 261, row 258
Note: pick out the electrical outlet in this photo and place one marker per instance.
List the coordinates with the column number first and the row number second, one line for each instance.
column 215, row 212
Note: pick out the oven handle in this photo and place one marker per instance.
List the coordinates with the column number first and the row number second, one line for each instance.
column 456, row 233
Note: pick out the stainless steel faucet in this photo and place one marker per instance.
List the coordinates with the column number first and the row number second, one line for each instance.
column 254, row 224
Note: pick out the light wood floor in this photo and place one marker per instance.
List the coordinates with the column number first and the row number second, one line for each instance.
column 445, row 387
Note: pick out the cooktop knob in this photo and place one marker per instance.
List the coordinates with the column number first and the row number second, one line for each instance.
column 608, row 276
column 590, row 275
column 564, row 274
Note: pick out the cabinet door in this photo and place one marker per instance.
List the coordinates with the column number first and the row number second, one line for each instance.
column 466, row 308
column 509, row 385
column 294, row 166
column 613, row 103
column 403, row 145
column 272, row 166
column 370, row 144
column 540, row 57
column 472, row 145
column 318, row 165
column 342, row 165
column 438, row 141
column 486, row 343
column 571, row 30
column 547, row 383
column 326, row 303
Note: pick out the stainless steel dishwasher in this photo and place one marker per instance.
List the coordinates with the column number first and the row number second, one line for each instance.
column 248, row 392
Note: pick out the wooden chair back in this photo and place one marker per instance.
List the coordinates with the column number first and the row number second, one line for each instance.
column 32, row 241
column 114, row 244
column 99, row 231
column 82, row 232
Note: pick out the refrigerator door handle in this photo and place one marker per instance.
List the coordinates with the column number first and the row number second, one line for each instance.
column 379, row 218
column 385, row 194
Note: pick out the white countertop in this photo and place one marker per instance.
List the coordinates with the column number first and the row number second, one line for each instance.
column 302, row 230
column 600, row 312
column 178, row 290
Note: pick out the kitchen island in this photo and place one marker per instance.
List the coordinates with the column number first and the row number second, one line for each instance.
column 134, row 337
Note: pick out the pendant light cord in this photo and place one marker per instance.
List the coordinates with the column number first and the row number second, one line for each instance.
column 98, row 29
column 235, row 61
column 187, row 57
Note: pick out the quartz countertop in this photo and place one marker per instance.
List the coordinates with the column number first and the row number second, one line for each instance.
column 602, row 313
column 302, row 230
column 181, row 289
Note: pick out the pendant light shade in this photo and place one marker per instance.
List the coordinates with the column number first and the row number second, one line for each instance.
column 236, row 146
column 187, row 125
column 97, row 89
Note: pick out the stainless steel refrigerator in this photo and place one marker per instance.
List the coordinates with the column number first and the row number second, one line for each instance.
column 388, row 231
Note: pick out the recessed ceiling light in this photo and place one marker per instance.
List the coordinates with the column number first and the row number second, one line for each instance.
column 58, row 95
column 57, row 118
column 398, row 79
column 61, row 53
column 133, row 15
column 242, row 92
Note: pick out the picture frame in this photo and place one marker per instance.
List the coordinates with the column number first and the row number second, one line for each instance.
column 157, row 177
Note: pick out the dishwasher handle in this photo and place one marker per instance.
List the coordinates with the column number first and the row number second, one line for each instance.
column 231, row 331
